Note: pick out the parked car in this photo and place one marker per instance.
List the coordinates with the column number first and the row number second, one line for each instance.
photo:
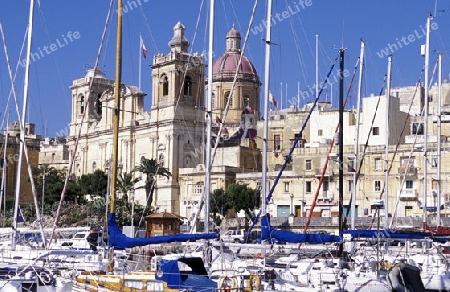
column 237, row 236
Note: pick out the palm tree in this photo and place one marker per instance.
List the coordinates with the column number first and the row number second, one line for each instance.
column 151, row 168
column 126, row 183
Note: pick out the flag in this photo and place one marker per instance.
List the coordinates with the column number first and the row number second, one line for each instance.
column 143, row 48
column 273, row 100
column 19, row 218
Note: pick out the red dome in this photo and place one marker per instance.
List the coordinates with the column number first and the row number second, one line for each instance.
column 225, row 68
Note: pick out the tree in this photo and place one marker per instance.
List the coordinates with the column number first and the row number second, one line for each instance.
column 54, row 183
column 219, row 206
column 241, row 197
column 126, row 183
column 94, row 184
column 123, row 212
column 151, row 168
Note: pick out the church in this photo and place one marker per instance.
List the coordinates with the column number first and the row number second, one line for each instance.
column 173, row 130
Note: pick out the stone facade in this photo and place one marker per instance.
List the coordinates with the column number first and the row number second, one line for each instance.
column 299, row 183
column 9, row 161
column 174, row 130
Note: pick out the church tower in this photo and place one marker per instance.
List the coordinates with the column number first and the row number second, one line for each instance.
column 178, row 77
column 177, row 115
column 93, row 110
column 246, row 90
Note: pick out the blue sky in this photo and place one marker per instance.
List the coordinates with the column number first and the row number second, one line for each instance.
column 382, row 24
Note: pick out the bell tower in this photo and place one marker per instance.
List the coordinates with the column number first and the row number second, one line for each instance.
column 177, row 114
column 178, row 77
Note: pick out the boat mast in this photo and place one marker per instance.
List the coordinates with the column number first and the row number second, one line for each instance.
column 22, row 124
column 439, row 130
column 116, row 121
column 209, row 116
column 264, row 183
column 5, row 164
column 358, row 115
column 425, row 126
column 386, row 152
column 341, row 145
column 317, row 66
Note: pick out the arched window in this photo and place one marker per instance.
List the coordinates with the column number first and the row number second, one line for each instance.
column 53, row 157
column 187, row 161
column 165, row 85
column 228, row 97
column 99, row 104
column 188, row 86
column 246, row 100
column 94, row 166
column 213, row 101
column 81, row 104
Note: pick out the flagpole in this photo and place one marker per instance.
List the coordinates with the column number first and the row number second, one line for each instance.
column 140, row 59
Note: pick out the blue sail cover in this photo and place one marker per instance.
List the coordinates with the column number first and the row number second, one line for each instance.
column 395, row 234
column 119, row 240
column 268, row 231
column 194, row 280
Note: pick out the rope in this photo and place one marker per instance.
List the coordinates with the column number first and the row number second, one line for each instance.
column 291, row 150
column 78, row 136
column 325, row 166
column 230, row 97
column 410, row 154
column 25, row 148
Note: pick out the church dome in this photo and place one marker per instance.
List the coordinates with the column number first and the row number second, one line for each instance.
column 224, row 68
column 233, row 33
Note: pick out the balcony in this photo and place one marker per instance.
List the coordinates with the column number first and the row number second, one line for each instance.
column 408, row 170
column 408, row 194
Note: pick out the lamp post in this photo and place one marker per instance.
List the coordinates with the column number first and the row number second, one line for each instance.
column 292, row 205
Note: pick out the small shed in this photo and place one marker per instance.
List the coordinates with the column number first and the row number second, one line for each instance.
column 163, row 223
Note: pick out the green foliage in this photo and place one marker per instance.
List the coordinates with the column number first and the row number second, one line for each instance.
column 51, row 181
column 219, row 205
column 151, row 168
column 29, row 213
column 238, row 197
column 123, row 213
column 94, row 184
column 74, row 215
column 125, row 183
column 97, row 208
